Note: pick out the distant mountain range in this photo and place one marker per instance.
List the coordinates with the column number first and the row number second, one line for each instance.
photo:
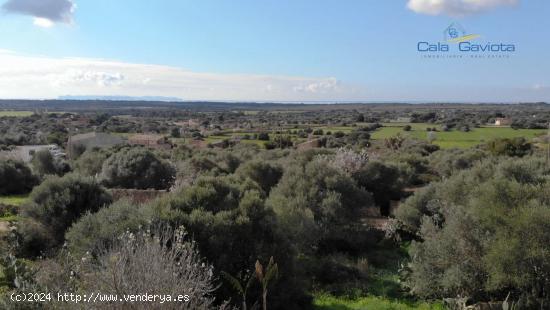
column 123, row 98
column 112, row 103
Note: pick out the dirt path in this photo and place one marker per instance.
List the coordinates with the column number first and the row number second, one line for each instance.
column 4, row 227
column 380, row 222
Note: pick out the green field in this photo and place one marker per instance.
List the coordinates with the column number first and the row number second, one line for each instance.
column 11, row 218
column 15, row 113
column 333, row 129
column 445, row 139
column 327, row 302
column 15, row 200
column 261, row 143
column 456, row 138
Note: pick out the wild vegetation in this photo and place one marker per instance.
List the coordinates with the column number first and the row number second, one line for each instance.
column 294, row 207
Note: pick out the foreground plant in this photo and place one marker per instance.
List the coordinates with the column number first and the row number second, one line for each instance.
column 242, row 288
column 162, row 263
column 271, row 272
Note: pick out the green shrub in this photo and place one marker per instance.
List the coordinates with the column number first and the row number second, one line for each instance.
column 263, row 136
column 263, row 173
column 95, row 231
column 91, row 161
column 315, row 200
column 44, row 163
column 137, row 168
column 15, row 178
column 233, row 228
column 482, row 233
column 55, row 205
column 517, row 147
column 383, row 181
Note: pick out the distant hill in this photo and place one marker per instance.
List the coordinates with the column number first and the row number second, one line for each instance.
column 113, row 104
column 123, row 98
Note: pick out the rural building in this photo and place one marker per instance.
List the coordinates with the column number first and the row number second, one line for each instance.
column 503, row 121
column 191, row 123
column 93, row 139
column 152, row 141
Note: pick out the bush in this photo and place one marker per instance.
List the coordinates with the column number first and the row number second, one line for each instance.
column 15, row 178
column 44, row 163
column 137, row 168
column 95, row 231
column 407, row 128
column 497, row 213
column 383, row 181
column 464, row 128
column 347, row 160
column 315, row 201
column 76, row 149
column 175, row 132
column 263, row 136
column 91, row 161
column 448, row 162
column 263, row 173
column 164, row 262
column 339, row 134
column 359, row 137
column 517, row 147
column 233, row 228
column 54, row 206
column 280, row 141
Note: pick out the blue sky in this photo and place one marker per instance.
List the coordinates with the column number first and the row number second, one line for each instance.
column 286, row 50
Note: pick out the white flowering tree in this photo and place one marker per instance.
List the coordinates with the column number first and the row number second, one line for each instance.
column 347, row 160
column 160, row 263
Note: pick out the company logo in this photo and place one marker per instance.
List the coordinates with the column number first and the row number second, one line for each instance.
column 456, row 39
column 455, row 33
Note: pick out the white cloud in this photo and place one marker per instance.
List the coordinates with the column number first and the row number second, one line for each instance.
column 43, row 22
column 45, row 12
column 320, row 87
column 80, row 77
column 45, row 77
column 456, row 8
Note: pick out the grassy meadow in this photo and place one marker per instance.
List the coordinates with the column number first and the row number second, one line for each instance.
column 455, row 138
column 14, row 200
column 328, row 302
column 445, row 139
column 15, row 113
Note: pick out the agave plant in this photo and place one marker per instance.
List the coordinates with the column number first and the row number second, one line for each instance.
column 509, row 305
column 271, row 272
